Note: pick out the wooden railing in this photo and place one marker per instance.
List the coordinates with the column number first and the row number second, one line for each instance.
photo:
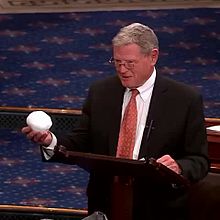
column 49, row 110
column 41, row 212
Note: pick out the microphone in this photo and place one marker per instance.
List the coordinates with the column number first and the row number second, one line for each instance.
column 149, row 127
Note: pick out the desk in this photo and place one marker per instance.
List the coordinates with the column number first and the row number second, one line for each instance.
column 214, row 150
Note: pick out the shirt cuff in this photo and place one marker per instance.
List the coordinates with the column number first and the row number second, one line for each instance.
column 48, row 151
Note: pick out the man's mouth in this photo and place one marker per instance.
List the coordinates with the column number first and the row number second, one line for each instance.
column 125, row 77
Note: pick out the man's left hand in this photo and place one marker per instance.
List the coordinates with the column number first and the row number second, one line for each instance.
column 169, row 162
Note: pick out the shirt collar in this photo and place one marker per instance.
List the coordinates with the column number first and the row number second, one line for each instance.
column 146, row 87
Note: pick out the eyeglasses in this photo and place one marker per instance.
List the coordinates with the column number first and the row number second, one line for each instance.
column 128, row 64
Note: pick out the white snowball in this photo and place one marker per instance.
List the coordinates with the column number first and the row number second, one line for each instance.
column 39, row 121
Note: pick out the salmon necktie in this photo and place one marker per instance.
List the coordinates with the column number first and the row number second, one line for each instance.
column 128, row 127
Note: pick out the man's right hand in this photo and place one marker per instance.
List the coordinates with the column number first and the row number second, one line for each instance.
column 40, row 137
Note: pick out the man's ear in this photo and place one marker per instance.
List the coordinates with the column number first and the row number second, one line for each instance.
column 154, row 56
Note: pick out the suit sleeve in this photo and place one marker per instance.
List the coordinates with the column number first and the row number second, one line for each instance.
column 195, row 164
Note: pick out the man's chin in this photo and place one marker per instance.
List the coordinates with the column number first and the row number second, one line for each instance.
column 128, row 84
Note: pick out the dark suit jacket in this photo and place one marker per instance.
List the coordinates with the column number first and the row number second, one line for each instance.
column 178, row 130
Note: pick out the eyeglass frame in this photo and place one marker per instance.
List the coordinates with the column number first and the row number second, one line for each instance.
column 128, row 64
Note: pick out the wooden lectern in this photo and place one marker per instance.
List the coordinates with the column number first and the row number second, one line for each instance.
column 124, row 172
column 214, row 150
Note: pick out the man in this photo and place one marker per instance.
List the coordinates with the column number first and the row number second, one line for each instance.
column 169, row 126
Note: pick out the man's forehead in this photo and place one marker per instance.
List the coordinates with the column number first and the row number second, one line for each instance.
column 130, row 50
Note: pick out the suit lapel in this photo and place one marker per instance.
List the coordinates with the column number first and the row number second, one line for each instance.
column 154, row 116
column 117, row 95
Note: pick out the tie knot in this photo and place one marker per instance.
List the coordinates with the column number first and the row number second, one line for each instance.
column 134, row 92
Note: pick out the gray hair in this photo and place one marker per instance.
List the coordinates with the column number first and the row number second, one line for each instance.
column 138, row 34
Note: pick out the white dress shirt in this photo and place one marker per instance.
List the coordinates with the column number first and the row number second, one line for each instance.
column 143, row 102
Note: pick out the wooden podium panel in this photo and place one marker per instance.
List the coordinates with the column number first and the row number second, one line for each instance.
column 124, row 167
column 123, row 171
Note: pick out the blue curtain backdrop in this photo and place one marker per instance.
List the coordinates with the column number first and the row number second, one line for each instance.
column 49, row 60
